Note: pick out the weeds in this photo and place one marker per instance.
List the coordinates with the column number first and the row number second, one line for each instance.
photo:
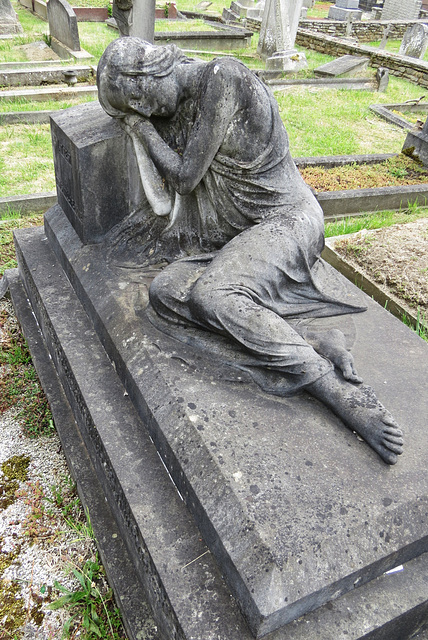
column 92, row 607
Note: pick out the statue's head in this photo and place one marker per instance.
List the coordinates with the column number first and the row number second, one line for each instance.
column 132, row 74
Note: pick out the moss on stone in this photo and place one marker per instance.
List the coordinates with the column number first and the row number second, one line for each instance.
column 14, row 471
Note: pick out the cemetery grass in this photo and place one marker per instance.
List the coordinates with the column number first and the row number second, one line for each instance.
column 393, row 46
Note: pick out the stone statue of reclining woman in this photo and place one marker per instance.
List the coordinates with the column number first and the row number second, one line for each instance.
column 261, row 231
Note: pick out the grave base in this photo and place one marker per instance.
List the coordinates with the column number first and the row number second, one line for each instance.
column 180, row 576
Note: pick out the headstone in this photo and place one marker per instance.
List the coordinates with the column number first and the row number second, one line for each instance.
column 63, row 24
column 345, row 10
column 399, row 10
column 416, row 144
column 415, row 41
column 278, row 34
column 346, row 66
column 9, row 23
column 135, row 18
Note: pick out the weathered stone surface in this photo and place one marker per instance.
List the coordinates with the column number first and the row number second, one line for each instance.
column 344, row 66
column 256, row 471
column 94, row 192
column 398, row 10
column 63, row 24
column 8, row 19
column 278, row 34
column 338, row 13
column 415, row 41
column 391, row 607
column 416, row 144
column 347, row 4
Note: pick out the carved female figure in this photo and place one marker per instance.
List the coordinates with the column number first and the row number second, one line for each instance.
column 259, row 226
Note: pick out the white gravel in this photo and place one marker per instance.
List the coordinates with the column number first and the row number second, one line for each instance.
column 37, row 563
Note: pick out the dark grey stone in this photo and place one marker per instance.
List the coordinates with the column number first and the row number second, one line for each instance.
column 63, row 24
column 235, row 452
column 344, row 66
column 91, row 169
column 391, row 607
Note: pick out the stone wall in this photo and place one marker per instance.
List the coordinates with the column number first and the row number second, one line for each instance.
column 367, row 31
column 409, row 68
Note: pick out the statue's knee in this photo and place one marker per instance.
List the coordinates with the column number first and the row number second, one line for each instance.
column 158, row 291
column 204, row 302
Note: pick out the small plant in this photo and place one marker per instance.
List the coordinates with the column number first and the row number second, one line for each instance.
column 92, row 606
column 47, row 38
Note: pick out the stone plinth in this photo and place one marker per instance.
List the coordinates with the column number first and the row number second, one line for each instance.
column 9, row 23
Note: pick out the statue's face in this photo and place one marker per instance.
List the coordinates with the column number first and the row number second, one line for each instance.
column 148, row 95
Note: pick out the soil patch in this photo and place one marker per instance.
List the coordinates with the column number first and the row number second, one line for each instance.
column 394, row 172
column 396, row 258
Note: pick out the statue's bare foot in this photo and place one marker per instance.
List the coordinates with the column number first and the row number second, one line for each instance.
column 362, row 412
column 332, row 345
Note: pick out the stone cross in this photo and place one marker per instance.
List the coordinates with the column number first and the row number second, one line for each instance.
column 278, row 34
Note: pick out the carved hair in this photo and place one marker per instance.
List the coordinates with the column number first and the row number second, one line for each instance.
column 133, row 57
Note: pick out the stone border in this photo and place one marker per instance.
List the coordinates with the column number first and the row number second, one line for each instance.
column 50, row 93
column 385, row 111
column 388, row 301
column 335, row 204
column 43, row 75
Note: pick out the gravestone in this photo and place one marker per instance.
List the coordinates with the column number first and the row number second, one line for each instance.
column 399, row 10
column 385, row 36
column 416, row 144
column 278, row 34
column 64, row 31
column 135, row 18
column 415, row 41
column 9, row 23
column 345, row 66
column 345, row 10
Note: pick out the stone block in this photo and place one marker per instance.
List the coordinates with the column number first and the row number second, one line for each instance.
column 257, row 471
column 347, row 4
column 345, row 66
column 187, row 591
column 63, row 23
column 416, row 144
column 91, row 166
column 337, row 13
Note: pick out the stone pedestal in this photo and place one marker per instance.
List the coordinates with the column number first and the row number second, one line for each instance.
column 345, row 10
column 278, row 34
column 9, row 23
column 281, row 512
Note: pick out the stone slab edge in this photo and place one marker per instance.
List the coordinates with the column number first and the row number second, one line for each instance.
column 387, row 300
column 39, row 95
column 391, row 607
column 25, row 117
column 116, row 560
column 32, row 203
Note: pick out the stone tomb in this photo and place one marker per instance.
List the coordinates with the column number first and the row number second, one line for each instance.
column 294, row 509
column 9, row 23
column 415, row 41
